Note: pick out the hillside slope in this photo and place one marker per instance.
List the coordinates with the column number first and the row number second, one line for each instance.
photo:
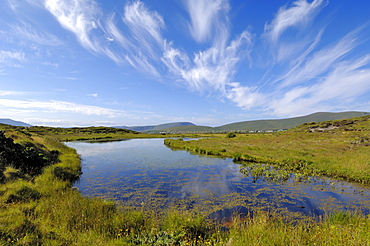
column 155, row 127
column 290, row 122
column 13, row 122
column 265, row 125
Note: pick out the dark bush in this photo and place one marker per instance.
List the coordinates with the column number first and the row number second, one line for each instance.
column 66, row 174
column 27, row 157
column 29, row 228
column 230, row 135
column 25, row 194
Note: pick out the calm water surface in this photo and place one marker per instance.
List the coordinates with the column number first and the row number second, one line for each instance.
column 145, row 173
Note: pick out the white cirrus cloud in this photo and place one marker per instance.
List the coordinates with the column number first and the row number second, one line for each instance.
column 78, row 16
column 67, row 123
column 320, row 61
column 349, row 80
column 6, row 55
column 114, row 34
column 24, row 31
column 211, row 69
column 145, row 32
column 205, row 17
column 143, row 23
column 13, row 93
column 60, row 106
column 142, row 45
column 245, row 97
column 309, row 74
column 93, row 95
column 138, row 43
column 300, row 14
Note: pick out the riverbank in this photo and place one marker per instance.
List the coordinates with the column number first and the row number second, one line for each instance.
column 90, row 133
column 48, row 211
column 341, row 152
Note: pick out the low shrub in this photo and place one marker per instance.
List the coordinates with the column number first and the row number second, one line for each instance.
column 230, row 135
column 66, row 174
column 25, row 194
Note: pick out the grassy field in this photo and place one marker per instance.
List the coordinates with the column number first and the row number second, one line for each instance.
column 257, row 125
column 87, row 133
column 338, row 149
column 45, row 210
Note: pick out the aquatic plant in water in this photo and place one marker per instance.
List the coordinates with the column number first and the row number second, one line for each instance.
column 265, row 172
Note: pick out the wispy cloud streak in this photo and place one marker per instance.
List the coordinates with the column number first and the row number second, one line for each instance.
column 12, row 58
column 139, row 44
column 308, row 72
column 339, row 88
column 25, row 31
column 212, row 69
column 13, row 93
column 79, row 17
column 300, row 14
column 11, row 55
column 314, row 77
column 205, row 17
column 145, row 27
column 320, row 62
column 143, row 46
column 60, row 106
column 143, row 23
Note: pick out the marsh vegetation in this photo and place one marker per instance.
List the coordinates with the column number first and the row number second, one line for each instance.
column 42, row 208
column 143, row 173
column 338, row 149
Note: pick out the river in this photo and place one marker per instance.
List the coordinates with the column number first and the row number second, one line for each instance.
column 144, row 173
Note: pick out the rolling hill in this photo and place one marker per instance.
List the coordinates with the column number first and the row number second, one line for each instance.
column 156, row 128
column 244, row 126
column 267, row 125
column 13, row 122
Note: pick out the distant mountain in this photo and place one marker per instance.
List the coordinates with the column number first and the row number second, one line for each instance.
column 156, row 128
column 266, row 125
column 13, row 122
column 190, row 129
column 290, row 122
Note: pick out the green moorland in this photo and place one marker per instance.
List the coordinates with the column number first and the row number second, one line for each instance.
column 38, row 206
column 86, row 133
column 258, row 125
column 338, row 149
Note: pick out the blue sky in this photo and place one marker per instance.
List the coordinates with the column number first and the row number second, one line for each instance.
column 210, row 62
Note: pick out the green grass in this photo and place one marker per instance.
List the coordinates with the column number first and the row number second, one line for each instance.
column 45, row 210
column 89, row 133
column 341, row 228
column 257, row 125
column 340, row 153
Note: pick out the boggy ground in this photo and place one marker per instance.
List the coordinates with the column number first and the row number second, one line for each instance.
column 339, row 149
column 47, row 211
